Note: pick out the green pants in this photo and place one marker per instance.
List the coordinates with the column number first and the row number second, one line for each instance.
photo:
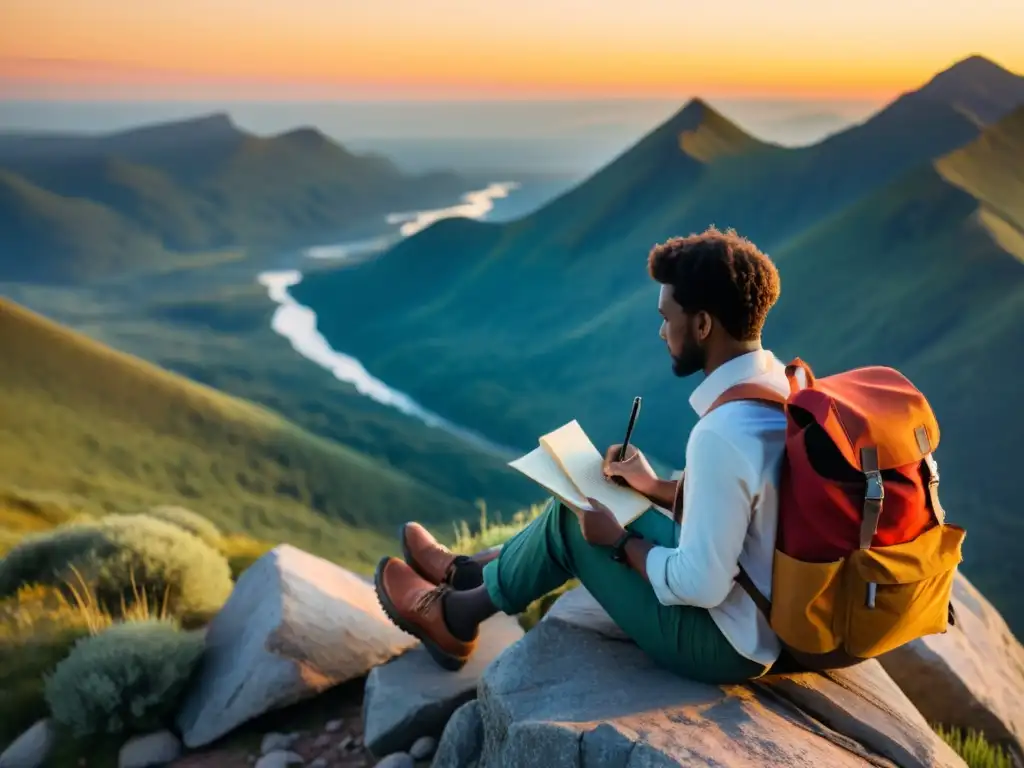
column 551, row 550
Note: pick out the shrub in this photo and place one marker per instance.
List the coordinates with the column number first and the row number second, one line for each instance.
column 127, row 679
column 974, row 748
column 119, row 556
column 188, row 520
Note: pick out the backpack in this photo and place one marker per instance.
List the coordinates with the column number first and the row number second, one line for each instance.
column 864, row 560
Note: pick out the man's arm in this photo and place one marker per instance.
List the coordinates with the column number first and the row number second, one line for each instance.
column 636, row 555
column 701, row 570
column 662, row 492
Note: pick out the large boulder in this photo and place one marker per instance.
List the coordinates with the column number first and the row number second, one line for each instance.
column 970, row 677
column 295, row 625
column 411, row 696
column 581, row 698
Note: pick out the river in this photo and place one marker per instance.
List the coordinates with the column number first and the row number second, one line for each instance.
column 298, row 323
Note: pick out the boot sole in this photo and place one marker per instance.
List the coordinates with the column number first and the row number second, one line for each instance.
column 442, row 657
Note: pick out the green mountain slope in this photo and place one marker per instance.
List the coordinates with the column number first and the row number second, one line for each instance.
column 205, row 184
column 515, row 340
column 121, row 434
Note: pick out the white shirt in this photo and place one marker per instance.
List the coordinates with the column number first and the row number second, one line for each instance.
column 730, row 507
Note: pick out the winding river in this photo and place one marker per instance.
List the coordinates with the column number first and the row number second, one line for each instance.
column 298, row 323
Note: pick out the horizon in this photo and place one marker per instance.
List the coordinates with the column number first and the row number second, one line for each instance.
column 307, row 50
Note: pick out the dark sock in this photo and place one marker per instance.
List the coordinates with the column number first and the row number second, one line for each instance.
column 464, row 611
column 466, row 573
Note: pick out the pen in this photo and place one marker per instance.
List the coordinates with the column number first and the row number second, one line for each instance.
column 625, row 443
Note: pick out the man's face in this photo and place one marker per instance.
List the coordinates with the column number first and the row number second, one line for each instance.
column 678, row 332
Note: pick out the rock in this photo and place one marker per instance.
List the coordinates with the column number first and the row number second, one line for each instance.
column 423, row 748
column 279, row 759
column 323, row 741
column 294, row 626
column 320, row 762
column 578, row 697
column 277, row 742
column 31, row 749
column 159, row 748
column 462, row 740
column 955, row 678
column 333, row 726
column 396, row 760
column 579, row 608
column 411, row 696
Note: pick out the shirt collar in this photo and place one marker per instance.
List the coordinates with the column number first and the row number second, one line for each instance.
column 751, row 366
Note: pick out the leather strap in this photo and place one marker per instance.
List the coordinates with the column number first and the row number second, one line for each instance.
column 932, row 468
column 873, row 496
column 763, row 603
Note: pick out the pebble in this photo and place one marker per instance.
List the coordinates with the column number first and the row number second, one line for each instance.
column 423, row 748
column 322, row 741
column 320, row 762
column 396, row 760
column 344, row 743
column 274, row 742
column 279, row 759
column 333, row 726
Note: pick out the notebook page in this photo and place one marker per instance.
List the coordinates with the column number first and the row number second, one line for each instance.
column 570, row 447
column 544, row 470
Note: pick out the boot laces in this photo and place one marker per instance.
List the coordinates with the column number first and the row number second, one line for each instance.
column 426, row 600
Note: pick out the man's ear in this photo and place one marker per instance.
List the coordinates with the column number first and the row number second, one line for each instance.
column 705, row 323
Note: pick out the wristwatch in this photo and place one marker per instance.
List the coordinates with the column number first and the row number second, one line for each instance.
column 619, row 548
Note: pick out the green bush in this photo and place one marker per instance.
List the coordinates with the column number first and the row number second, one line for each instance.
column 974, row 748
column 127, row 679
column 190, row 521
column 120, row 557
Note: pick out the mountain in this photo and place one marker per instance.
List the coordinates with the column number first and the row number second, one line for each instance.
column 120, row 434
column 204, row 184
column 893, row 249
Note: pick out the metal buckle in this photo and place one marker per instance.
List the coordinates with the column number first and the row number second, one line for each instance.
column 875, row 490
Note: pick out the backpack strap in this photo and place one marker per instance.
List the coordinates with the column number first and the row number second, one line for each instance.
column 767, row 396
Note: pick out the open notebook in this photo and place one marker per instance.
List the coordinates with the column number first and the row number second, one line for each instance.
column 567, row 464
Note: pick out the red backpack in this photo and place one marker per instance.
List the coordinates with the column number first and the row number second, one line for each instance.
column 864, row 560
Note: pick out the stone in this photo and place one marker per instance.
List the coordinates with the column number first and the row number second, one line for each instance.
column 396, row 760
column 275, row 742
column 31, row 749
column 333, row 726
column 294, row 626
column 579, row 697
column 970, row 677
column 320, row 762
column 423, row 748
column 323, row 741
column 411, row 696
column 279, row 759
column 579, row 608
column 463, row 738
column 158, row 748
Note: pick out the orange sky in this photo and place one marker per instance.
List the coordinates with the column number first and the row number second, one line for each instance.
column 429, row 48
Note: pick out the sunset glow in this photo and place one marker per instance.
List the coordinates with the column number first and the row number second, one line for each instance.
column 456, row 48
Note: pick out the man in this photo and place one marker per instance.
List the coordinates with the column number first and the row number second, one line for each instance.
column 672, row 590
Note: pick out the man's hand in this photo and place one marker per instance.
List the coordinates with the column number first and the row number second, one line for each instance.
column 599, row 525
column 634, row 469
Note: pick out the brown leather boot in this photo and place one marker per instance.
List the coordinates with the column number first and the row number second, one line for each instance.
column 415, row 606
column 425, row 554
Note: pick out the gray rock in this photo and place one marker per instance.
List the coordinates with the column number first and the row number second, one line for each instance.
column 411, row 696
column 578, row 697
column 279, row 759
column 277, row 742
column 157, row 748
column 423, row 748
column 333, row 726
column 578, row 608
column 396, row 760
column 462, row 740
column 31, row 749
column 322, row 741
column 970, row 677
column 320, row 762
column 294, row 626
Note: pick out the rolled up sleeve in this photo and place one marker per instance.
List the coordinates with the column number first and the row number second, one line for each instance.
column 717, row 502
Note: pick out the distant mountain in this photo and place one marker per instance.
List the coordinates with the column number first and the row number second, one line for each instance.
column 894, row 248
column 204, row 184
column 83, row 419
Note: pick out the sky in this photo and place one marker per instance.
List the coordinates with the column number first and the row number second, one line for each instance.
column 496, row 49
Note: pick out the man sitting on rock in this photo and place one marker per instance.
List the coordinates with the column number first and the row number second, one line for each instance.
column 672, row 588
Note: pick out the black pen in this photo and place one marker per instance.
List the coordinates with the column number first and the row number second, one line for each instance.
column 629, row 432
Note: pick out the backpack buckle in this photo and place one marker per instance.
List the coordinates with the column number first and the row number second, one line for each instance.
column 875, row 490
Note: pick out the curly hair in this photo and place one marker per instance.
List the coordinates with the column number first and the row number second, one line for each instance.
column 720, row 273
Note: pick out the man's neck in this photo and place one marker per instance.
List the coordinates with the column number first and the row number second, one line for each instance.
column 731, row 353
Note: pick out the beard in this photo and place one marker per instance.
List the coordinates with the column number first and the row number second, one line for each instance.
column 690, row 360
